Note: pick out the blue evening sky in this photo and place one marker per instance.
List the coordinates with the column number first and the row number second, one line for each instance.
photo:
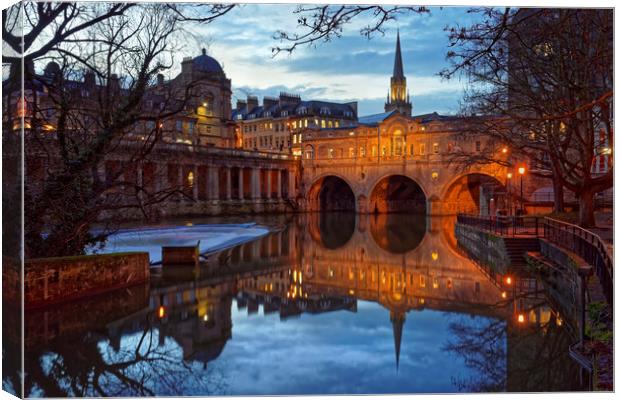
column 347, row 69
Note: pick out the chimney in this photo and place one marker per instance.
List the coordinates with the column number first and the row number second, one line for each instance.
column 288, row 98
column 241, row 104
column 269, row 102
column 252, row 103
column 160, row 79
column 89, row 78
column 186, row 66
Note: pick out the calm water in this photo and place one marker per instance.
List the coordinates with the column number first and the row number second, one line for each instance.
column 329, row 304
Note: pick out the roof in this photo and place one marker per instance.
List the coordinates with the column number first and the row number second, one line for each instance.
column 375, row 119
column 205, row 63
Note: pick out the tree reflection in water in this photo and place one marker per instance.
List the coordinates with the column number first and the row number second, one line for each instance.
column 142, row 366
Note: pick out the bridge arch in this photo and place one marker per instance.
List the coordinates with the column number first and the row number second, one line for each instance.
column 397, row 193
column 474, row 192
column 331, row 192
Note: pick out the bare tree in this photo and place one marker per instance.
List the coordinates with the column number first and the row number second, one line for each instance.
column 90, row 102
column 541, row 83
column 322, row 23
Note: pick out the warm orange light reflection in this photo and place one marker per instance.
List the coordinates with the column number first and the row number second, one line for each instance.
column 503, row 295
column 521, row 318
column 161, row 312
column 508, row 280
column 509, row 175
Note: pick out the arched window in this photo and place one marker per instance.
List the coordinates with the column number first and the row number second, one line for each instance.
column 207, row 106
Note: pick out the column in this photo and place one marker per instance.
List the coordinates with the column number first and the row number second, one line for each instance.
column 279, row 183
column 195, row 183
column 240, row 183
column 291, row 184
column 228, row 183
column 269, row 171
column 213, row 183
column 255, row 183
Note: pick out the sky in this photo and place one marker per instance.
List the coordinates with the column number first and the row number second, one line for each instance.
column 349, row 68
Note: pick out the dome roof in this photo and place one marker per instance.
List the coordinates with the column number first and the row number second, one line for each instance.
column 204, row 63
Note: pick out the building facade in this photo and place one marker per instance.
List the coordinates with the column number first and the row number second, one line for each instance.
column 278, row 125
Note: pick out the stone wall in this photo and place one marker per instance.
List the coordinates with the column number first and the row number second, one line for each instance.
column 485, row 247
column 51, row 280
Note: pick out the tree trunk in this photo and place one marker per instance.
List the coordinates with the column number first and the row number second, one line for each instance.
column 558, row 196
column 586, row 208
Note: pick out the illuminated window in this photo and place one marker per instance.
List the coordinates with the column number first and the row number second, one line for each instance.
column 337, row 124
column 190, row 179
column 383, row 151
column 305, row 123
column 422, row 281
column 323, row 123
column 330, row 124
column 362, row 151
column 436, row 148
column 330, row 153
column 374, row 151
column 351, row 152
column 422, row 149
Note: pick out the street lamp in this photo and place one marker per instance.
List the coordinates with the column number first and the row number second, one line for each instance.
column 521, row 172
column 508, row 178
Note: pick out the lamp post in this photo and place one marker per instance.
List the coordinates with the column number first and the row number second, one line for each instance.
column 508, row 178
column 521, row 172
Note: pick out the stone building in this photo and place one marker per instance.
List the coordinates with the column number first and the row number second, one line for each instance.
column 279, row 123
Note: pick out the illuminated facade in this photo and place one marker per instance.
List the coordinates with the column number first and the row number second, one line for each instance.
column 278, row 125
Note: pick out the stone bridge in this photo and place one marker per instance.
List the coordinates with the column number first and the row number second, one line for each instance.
column 396, row 163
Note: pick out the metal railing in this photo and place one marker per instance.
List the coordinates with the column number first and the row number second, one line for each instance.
column 504, row 225
column 587, row 245
column 584, row 243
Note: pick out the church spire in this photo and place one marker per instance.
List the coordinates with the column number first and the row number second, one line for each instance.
column 398, row 98
column 398, row 59
column 398, row 321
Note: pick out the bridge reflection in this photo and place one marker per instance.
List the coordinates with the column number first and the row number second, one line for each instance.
column 315, row 264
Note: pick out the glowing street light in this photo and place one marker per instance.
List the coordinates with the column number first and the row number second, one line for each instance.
column 508, row 280
column 521, row 173
column 504, row 150
column 521, row 318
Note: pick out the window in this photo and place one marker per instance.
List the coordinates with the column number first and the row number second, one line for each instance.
column 294, row 139
column 383, row 151
column 351, row 152
column 411, row 149
column 436, row 148
column 190, row 127
column 323, row 123
column 362, row 151
column 284, row 113
column 422, row 281
column 374, row 151
column 330, row 124
column 305, row 123
column 179, row 126
column 330, row 153
column 422, row 149
column 337, row 124
column 300, row 138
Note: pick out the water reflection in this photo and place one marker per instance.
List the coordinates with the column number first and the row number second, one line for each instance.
column 330, row 304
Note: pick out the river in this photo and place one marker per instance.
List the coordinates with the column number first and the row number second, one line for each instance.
column 328, row 304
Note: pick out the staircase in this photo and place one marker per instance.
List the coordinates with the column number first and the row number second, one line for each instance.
column 517, row 247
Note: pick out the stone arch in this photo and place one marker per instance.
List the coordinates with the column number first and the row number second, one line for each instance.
column 474, row 192
column 397, row 193
column 331, row 230
column 331, row 192
column 398, row 234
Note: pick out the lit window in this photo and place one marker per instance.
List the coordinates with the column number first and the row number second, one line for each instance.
column 323, row 123
column 436, row 148
column 330, row 153
column 190, row 179
column 422, row 281
column 351, row 152
column 337, row 124
column 422, row 149
column 362, row 151
column 330, row 124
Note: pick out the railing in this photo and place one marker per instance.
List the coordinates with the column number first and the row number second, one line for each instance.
column 504, row 225
column 587, row 245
